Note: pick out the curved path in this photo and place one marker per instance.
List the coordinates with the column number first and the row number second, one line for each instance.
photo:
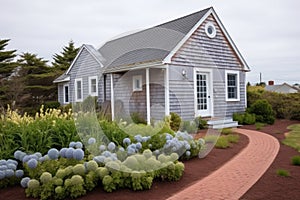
column 239, row 174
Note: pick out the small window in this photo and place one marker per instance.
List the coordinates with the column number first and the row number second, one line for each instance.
column 78, row 90
column 232, row 86
column 137, row 83
column 210, row 30
column 93, row 86
column 66, row 94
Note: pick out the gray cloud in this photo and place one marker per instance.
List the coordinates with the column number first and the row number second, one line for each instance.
column 266, row 32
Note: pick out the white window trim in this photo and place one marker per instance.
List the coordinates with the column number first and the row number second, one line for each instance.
column 90, row 85
column 238, row 84
column 214, row 33
column 75, row 83
column 64, row 93
column 134, row 78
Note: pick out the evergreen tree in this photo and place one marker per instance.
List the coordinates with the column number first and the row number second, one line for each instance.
column 63, row 60
column 38, row 80
column 7, row 66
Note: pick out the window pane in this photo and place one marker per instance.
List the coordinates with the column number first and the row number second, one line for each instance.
column 232, row 86
column 66, row 94
column 93, row 86
column 79, row 96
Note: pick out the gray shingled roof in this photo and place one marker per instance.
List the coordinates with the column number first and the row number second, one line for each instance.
column 152, row 44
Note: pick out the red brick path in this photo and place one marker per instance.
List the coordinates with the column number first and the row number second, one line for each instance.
column 239, row 174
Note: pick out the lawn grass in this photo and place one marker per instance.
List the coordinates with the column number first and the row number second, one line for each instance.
column 293, row 138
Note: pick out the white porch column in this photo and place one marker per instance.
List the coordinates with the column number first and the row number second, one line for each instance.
column 112, row 98
column 167, row 92
column 148, row 96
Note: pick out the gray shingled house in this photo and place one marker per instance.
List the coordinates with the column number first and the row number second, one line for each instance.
column 190, row 66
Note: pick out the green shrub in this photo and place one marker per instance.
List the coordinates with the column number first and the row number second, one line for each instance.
column 263, row 111
column 222, row 143
column 259, row 125
column 295, row 160
column 282, row 172
column 175, row 121
column 227, row 131
column 137, row 118
column 233, row 138
column 239, row 117
column 202, row 124
column 188, row 126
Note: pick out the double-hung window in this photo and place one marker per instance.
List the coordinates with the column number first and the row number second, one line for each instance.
column 232, row 80
column 93, row 85
column 66, row 93
column 137, row 83
column 78, row 90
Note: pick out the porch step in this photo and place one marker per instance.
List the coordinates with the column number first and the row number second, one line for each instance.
column 222, row 123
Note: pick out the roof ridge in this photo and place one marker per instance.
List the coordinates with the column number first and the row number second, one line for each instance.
column 158, row 26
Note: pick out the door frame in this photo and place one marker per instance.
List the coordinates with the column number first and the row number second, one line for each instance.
column 210, row 91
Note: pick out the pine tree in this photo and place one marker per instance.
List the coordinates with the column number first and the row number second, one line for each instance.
column 6, row 59
column 38, row 80
column 63, row 60
column 7, row 66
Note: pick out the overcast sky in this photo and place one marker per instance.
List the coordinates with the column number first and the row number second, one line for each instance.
column 267, row 32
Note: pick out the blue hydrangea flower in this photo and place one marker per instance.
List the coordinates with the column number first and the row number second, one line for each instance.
column 99, row 159
column 78, row 145
column 9, row 173
column 17, row 154
column 53, row 154
column 188, row 153
column 32, row 156
column 24, row 182
column 156, row 152
column 72, row 144
column 138, row 138
column 11, row 166
column 38, row 154
column 126, row 141
column 102, row 147
column 69, row 153
column 150, row 145
column 111, row 146
column 130, row 151
column 62, row 152
column 91, row 141
column 139, row 146
column 3, row 167
column 2, row 162
column 26, row 158
column 78, row 154
column 32, row 163
column 19, row 173
column 121, row 149
column 146, row 138
column 2, row 175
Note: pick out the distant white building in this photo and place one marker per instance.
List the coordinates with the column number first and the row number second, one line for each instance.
column 282, row 88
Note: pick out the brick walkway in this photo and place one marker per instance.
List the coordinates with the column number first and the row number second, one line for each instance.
column 237, row 176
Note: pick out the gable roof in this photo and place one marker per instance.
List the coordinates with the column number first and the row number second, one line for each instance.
column 283, row 88
column 157, row 44
column 91, row 50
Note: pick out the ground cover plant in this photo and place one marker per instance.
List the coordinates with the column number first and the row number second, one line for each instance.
column 48, row 158
column 292, row 139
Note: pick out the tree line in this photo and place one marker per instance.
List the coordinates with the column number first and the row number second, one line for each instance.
column 26, row 80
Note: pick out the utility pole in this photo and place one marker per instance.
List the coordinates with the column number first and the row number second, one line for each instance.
column 259, row 77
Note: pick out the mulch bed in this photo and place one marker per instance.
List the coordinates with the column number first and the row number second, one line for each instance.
column 270, row 186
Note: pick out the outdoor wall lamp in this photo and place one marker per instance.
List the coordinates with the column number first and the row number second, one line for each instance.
column 183, row 73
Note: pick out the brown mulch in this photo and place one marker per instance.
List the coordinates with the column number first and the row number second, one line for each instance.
column 270, row 185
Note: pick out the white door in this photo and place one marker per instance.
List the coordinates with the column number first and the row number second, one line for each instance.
column 203, row 94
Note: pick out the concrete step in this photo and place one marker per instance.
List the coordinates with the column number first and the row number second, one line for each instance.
column 222, row 123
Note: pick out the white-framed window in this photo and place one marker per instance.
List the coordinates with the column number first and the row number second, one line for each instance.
column 210, row 30
column 93, row 85
column 78, row 90
column 137, row 84
column 232, row 82
column 66, row 93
